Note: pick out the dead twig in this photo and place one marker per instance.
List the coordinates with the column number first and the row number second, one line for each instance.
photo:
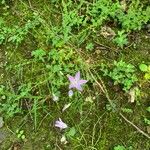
column 104, row 90
column 137, row 128
column 30, row 4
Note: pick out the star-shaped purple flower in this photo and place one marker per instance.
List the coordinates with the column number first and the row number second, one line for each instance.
column 76, row 82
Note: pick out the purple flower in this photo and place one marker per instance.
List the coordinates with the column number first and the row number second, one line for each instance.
column 60, row 124
column 76, row 82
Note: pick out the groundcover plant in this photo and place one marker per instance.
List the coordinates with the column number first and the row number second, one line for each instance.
column 74, row 75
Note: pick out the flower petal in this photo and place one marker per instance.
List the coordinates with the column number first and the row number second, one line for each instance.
column 71, row 86
column 60, row 124
column 55, row 98
column 71, row 78
column 57, row 125
column 78, row 87
column 82, row 82
column 77, row 76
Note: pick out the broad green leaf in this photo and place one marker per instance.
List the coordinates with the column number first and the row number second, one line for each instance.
column 147, row 76
column 143, row 67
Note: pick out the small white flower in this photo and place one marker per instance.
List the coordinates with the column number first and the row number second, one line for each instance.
column 63, row 140
column 55, row 98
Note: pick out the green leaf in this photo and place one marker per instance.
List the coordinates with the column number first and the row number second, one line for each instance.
column 143, row 67
column 71, row 132
column 148, row 109
column 147, row 76
column 147, row 121
column 18, row 136
column 119, row 147
column 23, row 137
column 39, row 54
column 148, row 68
column 17, row 131
column 21, row 132
column 89, row 46
column 127, row 110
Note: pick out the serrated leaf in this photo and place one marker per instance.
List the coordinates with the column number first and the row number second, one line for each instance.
column 127, row 110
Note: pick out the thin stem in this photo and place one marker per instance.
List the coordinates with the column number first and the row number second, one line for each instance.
column 104, row 90
column 138, row 129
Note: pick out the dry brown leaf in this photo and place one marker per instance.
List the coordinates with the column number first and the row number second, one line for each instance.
column 148, row 129
column 107, row 32
column 1, row 122
column 132, row 94
column 123, row 5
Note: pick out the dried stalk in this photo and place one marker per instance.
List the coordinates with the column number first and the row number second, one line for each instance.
column 104, row 90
